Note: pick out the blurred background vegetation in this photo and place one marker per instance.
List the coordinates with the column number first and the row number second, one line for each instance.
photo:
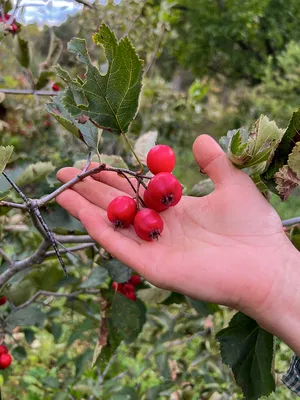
column 210, row 66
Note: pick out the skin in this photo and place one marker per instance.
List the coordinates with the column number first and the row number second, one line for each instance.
column 228, row 247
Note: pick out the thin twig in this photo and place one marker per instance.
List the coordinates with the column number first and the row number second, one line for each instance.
column 291, row 221
column 18, row 190
column 88, row 163
column 29, row 92
column 73, row 239
column 42, row 201
column 17, row 266
column 85, row 3
column 13, row 205
column 54, row 294
column 69, row 249
column 156, row 49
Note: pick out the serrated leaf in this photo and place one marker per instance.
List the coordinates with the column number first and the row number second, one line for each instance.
column 203, row 308
column 23, row 55
column 254, row 148
column 289, row 139
column 286, row 181
column 43, row 79
column 112, row 99
column 97, row 277
column 87, row 132
column 248, row 350
column 118, row 271
column 202, row 188
column 31, row 315
column 294, row 160
column 153, row 295
column 142, row 146
column 5, row 154
column 35, row 173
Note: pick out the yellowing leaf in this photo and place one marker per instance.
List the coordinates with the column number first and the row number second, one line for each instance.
column 5, row 154
column 142, row 146
column 294, row 160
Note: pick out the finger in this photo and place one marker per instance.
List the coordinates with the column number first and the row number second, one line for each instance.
column 95, row 192
column 113, row 179
column 72, row 202
column 122, row 244
column 213, row 161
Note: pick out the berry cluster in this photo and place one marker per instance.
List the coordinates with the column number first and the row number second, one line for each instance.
column 5, row 357
column 163, row 191
column 13, row 27
column 3, row 300
column 127, row 289
column 55, row 87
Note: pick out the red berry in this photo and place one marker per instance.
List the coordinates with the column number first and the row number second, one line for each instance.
column 2, row 300
column 154, row 205
column 128, row 288
column 148, row 224
column 5, row 360
column 3, row 349
column 131, row 296
column 161, row 158
column 165, row 189
column 135, row 280
column 120, row 287
column 55, row 87
column 121, row 211
column 114, row 286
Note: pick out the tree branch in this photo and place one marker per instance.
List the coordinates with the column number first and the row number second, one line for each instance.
column 13, row 205
column 54, row 294
column 85, row 3
column 17, row 266
column 69, row 249
column 291, row 221
column 74, row 239
column 5, row 257
column 29, row 92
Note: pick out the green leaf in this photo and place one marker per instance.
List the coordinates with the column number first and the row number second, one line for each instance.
column 127, row 393
column 97, row 277
column 254, row 148
column 23, row 55
column 203, row 308
column 143, row 145
column 295, row 237
column 248, row 350
column 35, row 173
column 44, row 79
column 153, row 295
column 118, row 271
column 87, row 132
column 31, row 315
column 3, row 195
column 5, row 154
column 51, row 381
column 2, row 31
column 125, row 321
column 19, row 353
column 112, row 99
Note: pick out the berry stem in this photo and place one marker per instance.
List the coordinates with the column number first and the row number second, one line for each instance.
column 141, row 171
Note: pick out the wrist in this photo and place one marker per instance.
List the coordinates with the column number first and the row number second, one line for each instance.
column 280, row 313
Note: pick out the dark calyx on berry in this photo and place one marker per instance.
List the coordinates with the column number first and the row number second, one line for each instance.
column 154, row 235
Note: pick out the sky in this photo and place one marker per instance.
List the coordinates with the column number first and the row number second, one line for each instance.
column 49, row 12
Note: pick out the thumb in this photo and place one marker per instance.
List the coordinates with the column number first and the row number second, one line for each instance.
column 213, row 161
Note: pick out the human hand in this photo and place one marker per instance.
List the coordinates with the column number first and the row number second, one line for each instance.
column 228, row 247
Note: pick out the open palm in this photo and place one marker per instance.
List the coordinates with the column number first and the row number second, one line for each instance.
column 215, row 248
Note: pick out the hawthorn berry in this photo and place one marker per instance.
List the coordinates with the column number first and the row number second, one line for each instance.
column 3, row 300
column 148, row 224
column 161, row 158
column 165, row 189
column 121, row 211
column 5, row 360
column 55, row 87
column 115, row 286
column 128, row 288
column 154, row 205
column 3, row 349
column 135, row 280
column 131, row 296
